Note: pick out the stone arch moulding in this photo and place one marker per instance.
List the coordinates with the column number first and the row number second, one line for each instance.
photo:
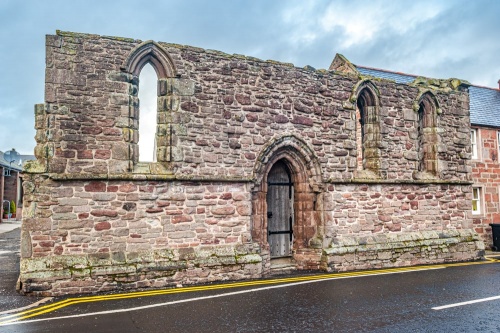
column 150, row 52
column 359, row 86
column 426, row 94
column 293, row 147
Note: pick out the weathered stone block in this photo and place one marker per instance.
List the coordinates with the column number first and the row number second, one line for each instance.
column 181, row 234
column 226, row 210
column 103, row 196
column 104, row 212
column 102, row 226
column 95, row 186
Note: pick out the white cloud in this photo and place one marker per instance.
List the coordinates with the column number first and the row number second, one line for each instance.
column 356, row 28
column 356, row 22
column 302, row 20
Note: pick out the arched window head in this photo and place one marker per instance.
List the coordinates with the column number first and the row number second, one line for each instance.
column 150, row 52
column 366, row 98
column 428, row 110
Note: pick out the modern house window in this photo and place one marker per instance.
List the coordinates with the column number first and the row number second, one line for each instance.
column 473, row 141
column 476, row 200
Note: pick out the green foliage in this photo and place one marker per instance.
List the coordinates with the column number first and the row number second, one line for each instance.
column 12, row 207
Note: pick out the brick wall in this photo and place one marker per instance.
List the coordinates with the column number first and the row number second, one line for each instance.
column 10, row 183
column 11, row 187
column 486, row 175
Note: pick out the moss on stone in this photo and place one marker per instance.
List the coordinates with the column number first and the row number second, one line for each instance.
column 123, row 39
column 442, row 85
column 218, row 53
column 34, row 167
column 279, row 63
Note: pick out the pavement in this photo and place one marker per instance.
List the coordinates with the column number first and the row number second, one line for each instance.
column 10, row 232
column 9, row 225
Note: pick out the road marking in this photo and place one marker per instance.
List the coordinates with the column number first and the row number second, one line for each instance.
column 20, row 317
column 70, row 301
column 43, row 300
column 306, row 280
column 492, row 257
column 487, row 299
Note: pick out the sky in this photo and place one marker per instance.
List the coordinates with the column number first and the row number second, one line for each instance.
column 439, row 39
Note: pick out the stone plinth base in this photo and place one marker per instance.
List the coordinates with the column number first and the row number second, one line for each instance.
column 72, row 274
column 397, row 250
column 89, row 273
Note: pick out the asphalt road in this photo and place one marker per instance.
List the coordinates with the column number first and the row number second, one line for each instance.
column 9, row 272
column 375, row 301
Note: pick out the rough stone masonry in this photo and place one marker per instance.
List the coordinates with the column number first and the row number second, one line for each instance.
column 377, row 174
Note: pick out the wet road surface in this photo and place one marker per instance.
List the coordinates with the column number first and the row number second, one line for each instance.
column 398, row 300
column 9, row 272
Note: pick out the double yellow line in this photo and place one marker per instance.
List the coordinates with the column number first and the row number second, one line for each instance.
column 332, row 276
column 493, row 258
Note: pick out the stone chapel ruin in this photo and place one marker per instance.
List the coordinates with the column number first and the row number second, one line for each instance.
column 260, row 167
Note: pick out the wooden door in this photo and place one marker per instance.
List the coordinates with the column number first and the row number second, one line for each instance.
column 280, row 210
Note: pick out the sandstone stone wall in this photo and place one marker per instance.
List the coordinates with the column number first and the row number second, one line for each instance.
column 96, row 218
column 365, row 210
column 120, row 216
column 223, row 110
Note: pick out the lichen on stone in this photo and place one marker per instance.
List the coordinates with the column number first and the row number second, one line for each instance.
column 444, row 85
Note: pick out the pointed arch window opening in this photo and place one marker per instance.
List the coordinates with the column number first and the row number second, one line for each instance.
column 420, row 144
column 427, row 136
column 156, row 148
column 147, row 120
column 367, row 131
column 360, row 137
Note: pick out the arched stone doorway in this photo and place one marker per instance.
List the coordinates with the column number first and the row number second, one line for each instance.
column 288, row 185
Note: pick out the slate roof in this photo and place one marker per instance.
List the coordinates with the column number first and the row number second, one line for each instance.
column 484, row 106
column 484, row 102
column 16, row 165
column 395, row 76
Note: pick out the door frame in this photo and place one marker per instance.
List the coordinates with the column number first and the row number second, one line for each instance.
column 307, row 202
